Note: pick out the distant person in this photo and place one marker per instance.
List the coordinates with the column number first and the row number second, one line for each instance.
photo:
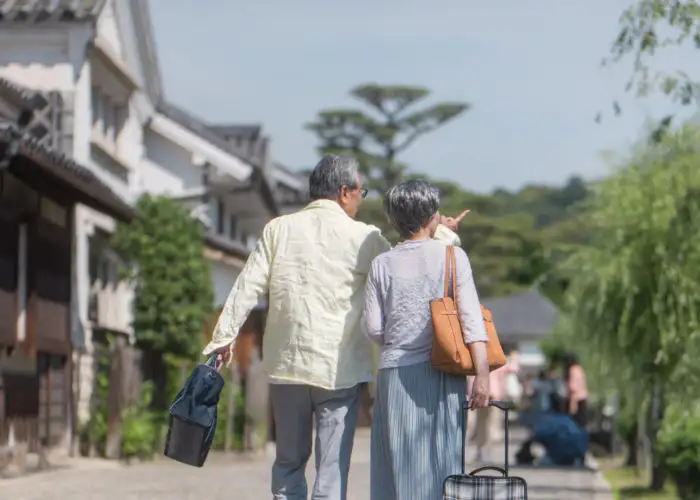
column 312, row 268
column 542, row 392
column 577, row 390
column 416, row 423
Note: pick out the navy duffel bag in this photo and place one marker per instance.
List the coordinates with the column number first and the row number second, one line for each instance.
column 193, row 416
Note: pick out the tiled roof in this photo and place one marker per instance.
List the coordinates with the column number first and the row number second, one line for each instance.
column 199, row 127
column 51, row 160
column 65, row 169
column 232, row 130
column 527, row 313
column 34, row 11
column 207, row 132
column 27, row 98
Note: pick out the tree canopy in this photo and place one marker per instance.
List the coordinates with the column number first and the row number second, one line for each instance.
column 378, row 137
column 635, row 288
column 174, row 293
column 647, row 27
column 513, row 238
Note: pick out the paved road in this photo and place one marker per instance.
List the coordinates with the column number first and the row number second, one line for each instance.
column 229, row 478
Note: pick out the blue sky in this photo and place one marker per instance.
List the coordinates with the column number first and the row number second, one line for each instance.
column 531, row 70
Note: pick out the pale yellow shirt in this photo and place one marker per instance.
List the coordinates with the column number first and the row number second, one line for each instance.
column 312, row 267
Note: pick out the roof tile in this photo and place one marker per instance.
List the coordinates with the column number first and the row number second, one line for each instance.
column 523, row 314
column 33, row 11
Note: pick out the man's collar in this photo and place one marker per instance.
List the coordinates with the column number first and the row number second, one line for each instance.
column 325, row 204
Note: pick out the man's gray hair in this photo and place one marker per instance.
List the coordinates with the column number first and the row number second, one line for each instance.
column 332, row 173
column 410, row 204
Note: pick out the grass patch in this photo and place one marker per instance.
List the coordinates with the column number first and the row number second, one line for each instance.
column 627, row 485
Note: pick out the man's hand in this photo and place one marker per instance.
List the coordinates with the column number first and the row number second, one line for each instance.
column 452, row 223
column 479, row 398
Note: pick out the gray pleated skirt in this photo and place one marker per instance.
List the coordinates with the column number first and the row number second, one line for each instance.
column 416, row 434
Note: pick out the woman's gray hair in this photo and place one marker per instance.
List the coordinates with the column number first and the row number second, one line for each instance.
column 332, row 173
column 410, row 205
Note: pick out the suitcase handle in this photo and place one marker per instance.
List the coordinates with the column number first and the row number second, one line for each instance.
column 500, row 470
column 501, row 405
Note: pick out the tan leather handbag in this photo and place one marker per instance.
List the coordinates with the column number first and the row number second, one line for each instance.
column 450, row 354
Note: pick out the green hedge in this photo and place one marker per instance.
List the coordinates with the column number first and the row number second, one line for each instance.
column 679, row 448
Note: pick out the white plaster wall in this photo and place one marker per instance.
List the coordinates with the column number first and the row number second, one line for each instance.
column 108, row 29
column 166, row 168
column 223, row 276
column 37, row 58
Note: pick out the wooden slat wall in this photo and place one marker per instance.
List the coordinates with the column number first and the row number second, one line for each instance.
column 49, row 252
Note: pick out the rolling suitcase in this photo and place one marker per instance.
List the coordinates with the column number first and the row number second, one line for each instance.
column 471, row 486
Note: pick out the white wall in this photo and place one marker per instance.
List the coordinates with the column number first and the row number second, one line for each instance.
column 223, row 277
column 108, row 29
column 42, row 58
column 166, row 167
column 169, row 169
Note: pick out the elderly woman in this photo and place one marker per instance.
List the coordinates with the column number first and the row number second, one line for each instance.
column 416, row 422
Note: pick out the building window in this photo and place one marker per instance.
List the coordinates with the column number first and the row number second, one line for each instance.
column 232, row 227
column 108, row 117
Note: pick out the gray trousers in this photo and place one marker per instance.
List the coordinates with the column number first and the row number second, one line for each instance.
column 335, row 412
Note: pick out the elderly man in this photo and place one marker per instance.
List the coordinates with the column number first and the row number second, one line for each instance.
column 312, row 267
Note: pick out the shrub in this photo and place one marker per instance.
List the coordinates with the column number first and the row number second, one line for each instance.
column 679, row 448
column 139, row 427
column 238, row 421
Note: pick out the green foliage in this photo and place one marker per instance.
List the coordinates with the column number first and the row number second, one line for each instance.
column 174, row 293
column 139, row 428
column 646, row 28
column 634, row 289
column 377, row 139
column 679, row 445
column 514, row 239
column 139, row 423
column 506, row 252
column 238, row 421
column 94, row 434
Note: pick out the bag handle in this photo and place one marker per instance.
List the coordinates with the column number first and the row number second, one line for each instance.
column 211, row 363
column 501, row 405
column 450, row 272
column 500, row 470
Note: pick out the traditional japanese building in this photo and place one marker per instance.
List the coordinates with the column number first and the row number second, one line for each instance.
column 40, row 189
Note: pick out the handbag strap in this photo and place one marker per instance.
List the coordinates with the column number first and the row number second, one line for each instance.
column 450, row 272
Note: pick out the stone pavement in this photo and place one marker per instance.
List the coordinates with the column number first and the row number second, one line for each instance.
column 237, row 478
